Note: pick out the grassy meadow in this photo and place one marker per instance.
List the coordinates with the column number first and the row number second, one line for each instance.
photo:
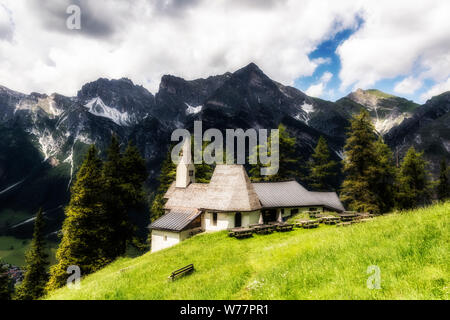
column 12, row 250
column 410, row 248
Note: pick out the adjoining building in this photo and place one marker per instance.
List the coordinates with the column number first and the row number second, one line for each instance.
column 229, row 200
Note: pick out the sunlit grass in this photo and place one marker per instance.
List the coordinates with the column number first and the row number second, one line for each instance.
column 411, row 249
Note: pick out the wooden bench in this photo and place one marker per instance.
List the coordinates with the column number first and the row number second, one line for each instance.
column 309, row 224
column 297, row 224
column 314, row 214
column 346, row 217
column 243, row 234
column 331, row 220
column 264, row 229
column 182, row 272
column 240, row 233
column 285, row 227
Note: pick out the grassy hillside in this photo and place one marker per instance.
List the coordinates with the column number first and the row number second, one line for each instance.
column 411, row 249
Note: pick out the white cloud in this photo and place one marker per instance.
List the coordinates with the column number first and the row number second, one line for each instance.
column 436, row 90
column 6, row 25
column 408, row 85
column 143, row 40
column 397, row 38
column 317, row 90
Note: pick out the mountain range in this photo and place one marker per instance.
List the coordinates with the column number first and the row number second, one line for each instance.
column 44, row 137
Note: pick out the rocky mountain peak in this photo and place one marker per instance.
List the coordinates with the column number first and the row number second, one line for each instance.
column 368, row 98
column 119, row 94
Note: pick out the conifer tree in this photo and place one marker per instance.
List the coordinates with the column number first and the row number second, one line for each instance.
column 86, row 227
column 322, row 168
column 443, row 187
column 165, row 179
column 383, row 179
column 412, row 181
column 124, row 176
column 134, row 171
column 288, row 161
column 115, row 200
column 36, row 277
column 367, row 165
column 204, row 171
column 5, row 283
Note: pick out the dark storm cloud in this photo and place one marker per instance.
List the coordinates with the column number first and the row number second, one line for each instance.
column 96, row 20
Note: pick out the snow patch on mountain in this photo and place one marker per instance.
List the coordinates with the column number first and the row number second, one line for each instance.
column 384, row 125
column 192, row 110
column 308, row 108
column 304, row 115
column 446, row 145
column 48, row 145
column 69, row 159
column 11, row 186
column 98, row 108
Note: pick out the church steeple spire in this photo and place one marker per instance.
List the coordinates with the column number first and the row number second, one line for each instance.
column 185, row 168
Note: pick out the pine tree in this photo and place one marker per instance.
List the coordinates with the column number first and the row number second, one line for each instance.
column 86, row 227
column 165, row 179
column 115, row 200
column 288, row 161
column 135, row 174
column 443, row 187
column 322, row 168
column 368, row 166
column 383, row 178
column 412, row 181
column 5, row 283
column 36, row 277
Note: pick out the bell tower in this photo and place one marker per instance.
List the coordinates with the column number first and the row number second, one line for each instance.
column 185, row 168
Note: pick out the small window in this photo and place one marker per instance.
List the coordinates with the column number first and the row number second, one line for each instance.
column 165, row 238
column 294, row 211
column 191, row 173
column 214, row 218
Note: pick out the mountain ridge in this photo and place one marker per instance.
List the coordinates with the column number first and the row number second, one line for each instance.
column 54, row 130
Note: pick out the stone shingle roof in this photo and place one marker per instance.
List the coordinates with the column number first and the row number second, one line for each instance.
column 191, row 197
column 230, row 189
column 292, row 194
column 176, row 220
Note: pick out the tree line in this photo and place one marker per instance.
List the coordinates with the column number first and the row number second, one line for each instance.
column 97, row 228
column 372, row 182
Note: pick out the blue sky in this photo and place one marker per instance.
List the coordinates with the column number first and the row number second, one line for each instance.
column 327, row 50
column 331, row 89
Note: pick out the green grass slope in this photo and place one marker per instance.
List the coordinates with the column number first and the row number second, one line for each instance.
column 411, row 249
column 13, row 250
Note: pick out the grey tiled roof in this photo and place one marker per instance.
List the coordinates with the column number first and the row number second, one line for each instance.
column 329, row 199
column 176, row 220
column 292, row 194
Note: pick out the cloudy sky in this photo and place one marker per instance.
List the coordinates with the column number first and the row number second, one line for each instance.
column 325, row 48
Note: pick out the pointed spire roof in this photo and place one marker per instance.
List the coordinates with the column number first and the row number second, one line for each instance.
column 230, row 189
